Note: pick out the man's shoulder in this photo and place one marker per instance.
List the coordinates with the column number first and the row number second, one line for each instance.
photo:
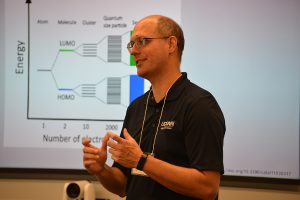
column 198, row 98
column 196, row 91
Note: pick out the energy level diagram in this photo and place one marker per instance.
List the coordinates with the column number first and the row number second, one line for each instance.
column 79, row 65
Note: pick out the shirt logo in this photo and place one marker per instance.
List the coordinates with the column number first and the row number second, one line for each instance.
column 167, row 125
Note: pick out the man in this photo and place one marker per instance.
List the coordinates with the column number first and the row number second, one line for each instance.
column 171, row 146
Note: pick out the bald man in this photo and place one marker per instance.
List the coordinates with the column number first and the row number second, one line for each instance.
column 171, row 144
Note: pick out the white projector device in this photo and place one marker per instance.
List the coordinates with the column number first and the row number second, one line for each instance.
column 79, row 190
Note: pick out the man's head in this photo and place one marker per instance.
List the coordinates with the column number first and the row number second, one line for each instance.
column 168, row 27
column 157, row 42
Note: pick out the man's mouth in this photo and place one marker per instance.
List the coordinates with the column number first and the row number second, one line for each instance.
column 139, row 61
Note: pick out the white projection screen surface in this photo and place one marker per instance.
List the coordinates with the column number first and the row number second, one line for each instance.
column 65, row 74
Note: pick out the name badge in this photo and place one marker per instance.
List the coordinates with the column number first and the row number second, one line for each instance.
column 136, row 172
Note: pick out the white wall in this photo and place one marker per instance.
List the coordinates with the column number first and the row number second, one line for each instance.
column 30, row 189
column 24, row 189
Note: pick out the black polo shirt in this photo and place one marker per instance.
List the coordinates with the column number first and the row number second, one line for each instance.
column 190, row 134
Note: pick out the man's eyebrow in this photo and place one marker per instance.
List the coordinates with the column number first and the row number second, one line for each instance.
column 135, row 38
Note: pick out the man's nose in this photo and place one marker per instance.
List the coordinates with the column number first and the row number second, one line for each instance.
column 134, row 50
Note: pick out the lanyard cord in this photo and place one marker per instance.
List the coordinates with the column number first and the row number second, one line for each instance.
column 161, row 112
column 141, row 134
column 145, row 113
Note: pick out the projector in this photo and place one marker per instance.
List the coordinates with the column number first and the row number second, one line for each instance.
column 79, row 190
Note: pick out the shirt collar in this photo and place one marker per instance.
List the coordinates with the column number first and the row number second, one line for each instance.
column 178, row 87
column 175, row 90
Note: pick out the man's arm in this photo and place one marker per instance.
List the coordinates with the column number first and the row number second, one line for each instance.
column 113, row 179
column 186, row 181
column 94, row 160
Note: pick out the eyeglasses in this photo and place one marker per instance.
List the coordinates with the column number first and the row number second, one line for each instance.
column 140, row 42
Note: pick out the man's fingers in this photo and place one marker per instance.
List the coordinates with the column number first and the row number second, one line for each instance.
column 91, row 150
column 89, row 156
column 112, row 144
column 104, row 142
column 86, row 141
column 115, row 137
column 86, row 163
column 127, row 136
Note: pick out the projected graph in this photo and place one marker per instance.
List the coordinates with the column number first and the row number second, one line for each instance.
column 74, row 77
column 89, row 71
column 83, row 71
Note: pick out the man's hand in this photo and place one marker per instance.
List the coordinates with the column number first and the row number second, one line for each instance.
column 124, row 151
column 94, row 158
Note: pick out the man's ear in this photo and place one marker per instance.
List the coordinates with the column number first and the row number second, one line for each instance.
column 172, row 44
